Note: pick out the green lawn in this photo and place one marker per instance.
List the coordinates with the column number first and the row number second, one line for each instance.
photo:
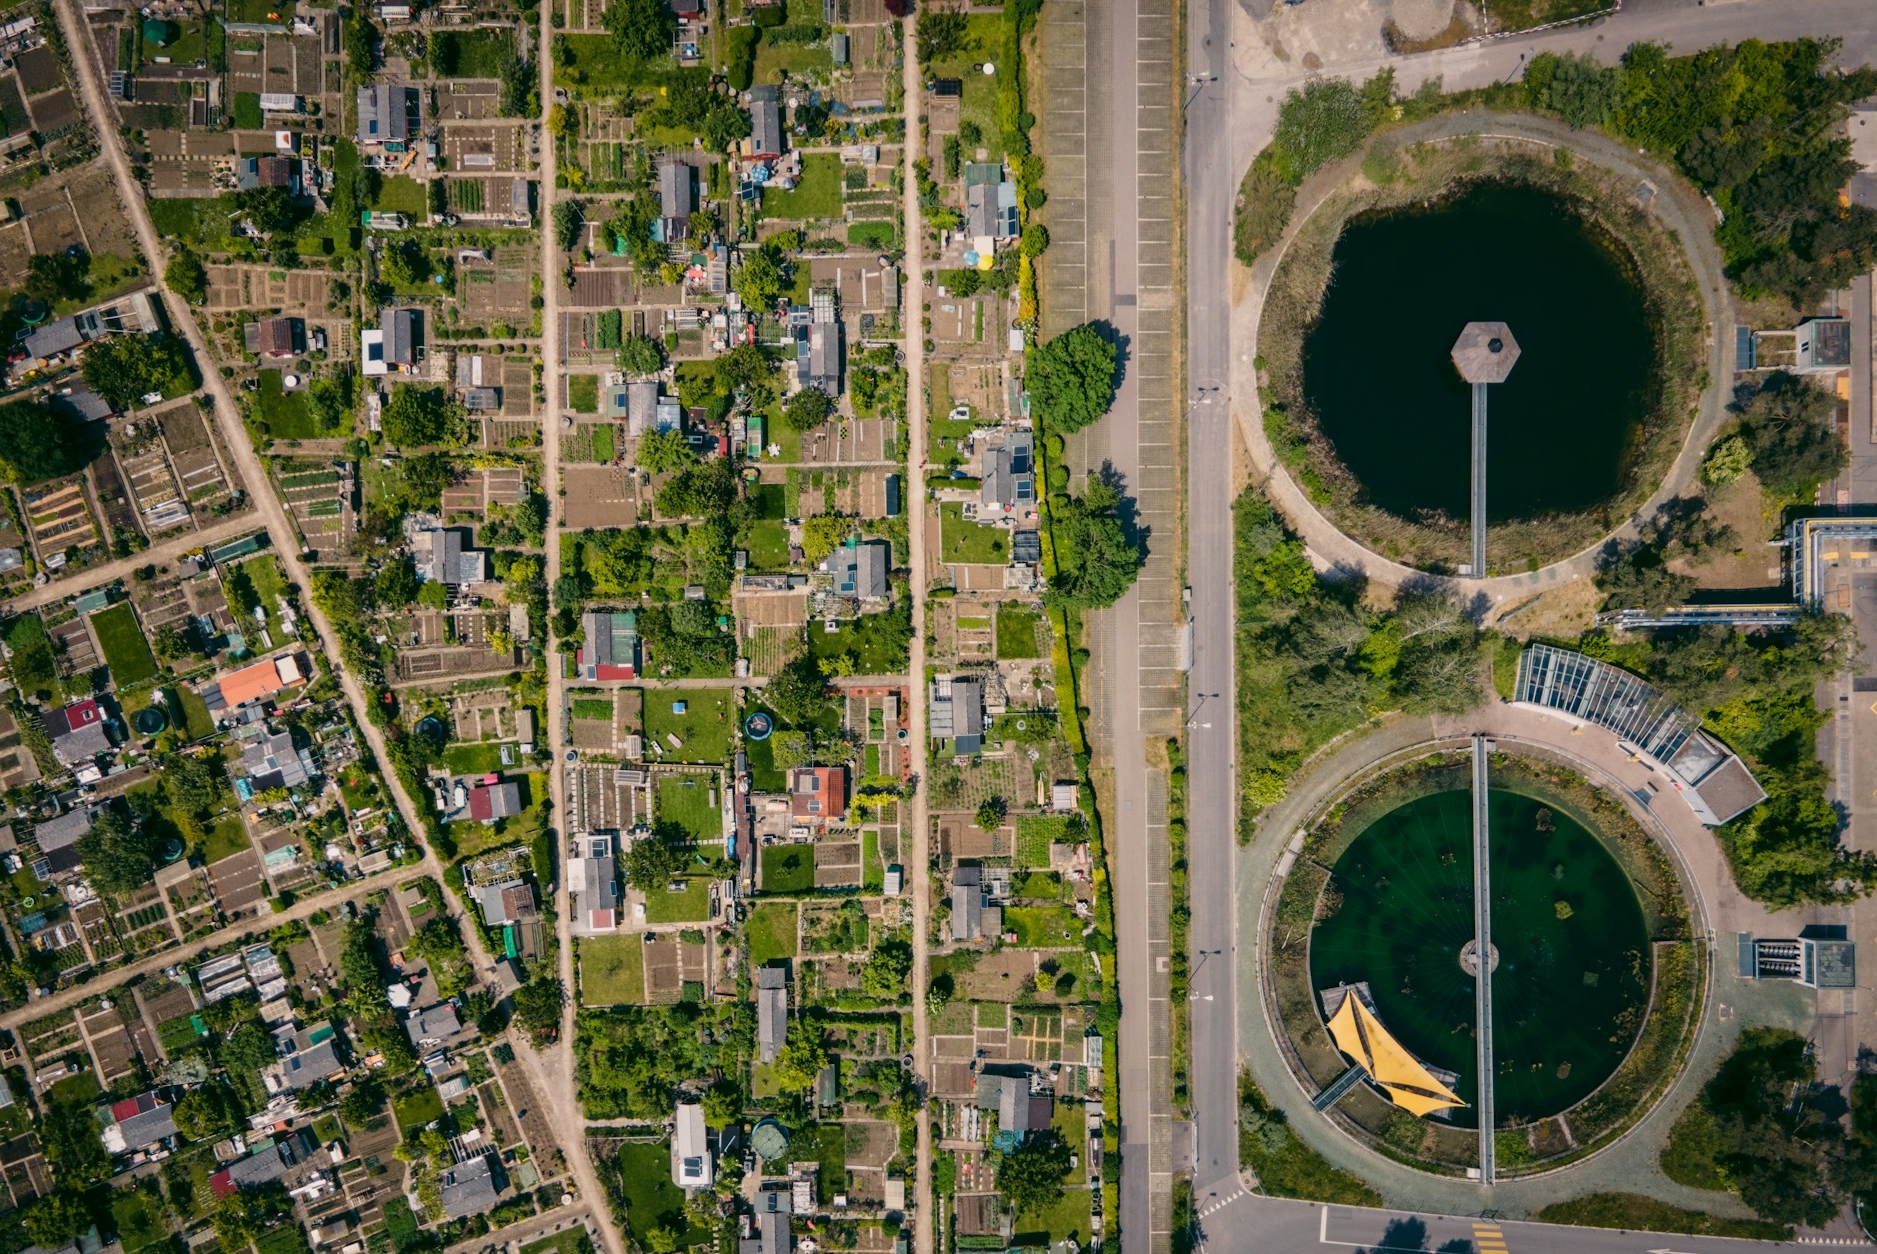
column 1016, row 631
column 403, row 194
column 479, row 759
column 687, row 801
column 126, row 652
column 228, row 837
column 772, row 60
column 593, row 61
column 817, row 194
column 198, row 221
column 788, row 869
column 572, row 1240
column 703, row 729
column 583, row 393
column 612, row 970
column 286, row 415
column 771, row 932
column 197, row 723
column 1042, row 927
column 872, row 234
column 480, row 53
column 652, row 1200
column 1035, row 832
column 770, row 502
column 768, row 546
column 872, row 870
column 1066, row 1218
column 690, row 906
column 138, row 1223
column 76, row 1088
column 246, row 114
column 263, row 575
column 969, row 542
column 875, row 640
column 824, row 1143
column 418, row 1107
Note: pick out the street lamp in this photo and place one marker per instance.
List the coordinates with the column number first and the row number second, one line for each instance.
column 1203, row 698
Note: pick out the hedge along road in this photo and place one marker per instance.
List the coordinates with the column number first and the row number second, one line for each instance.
column 1676, row 206
column 1719, row 910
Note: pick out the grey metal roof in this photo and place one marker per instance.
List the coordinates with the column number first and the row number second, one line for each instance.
column 1577, row 686
column 772, row 1012
column 59, row 833
column 384, row 113
column 471, row 1187
column 311, row 1065
column 433, row 1026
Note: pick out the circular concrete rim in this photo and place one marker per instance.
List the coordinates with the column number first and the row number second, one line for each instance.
column 1595, row 775
column 1494, row 586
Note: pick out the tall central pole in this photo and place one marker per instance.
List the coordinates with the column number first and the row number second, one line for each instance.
column 1479, row 481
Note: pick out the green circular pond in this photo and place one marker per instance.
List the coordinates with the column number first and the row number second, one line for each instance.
column 1572, row 980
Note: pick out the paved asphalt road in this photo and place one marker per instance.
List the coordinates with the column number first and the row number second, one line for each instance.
column 1267, row 1225
column 1211, row 763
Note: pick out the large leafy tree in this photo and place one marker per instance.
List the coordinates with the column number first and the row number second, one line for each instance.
column 798, row 693
column 641, row 355
column 422, row 415
column 1096, row 560
column 652, row 860
column 760, row 278
column 884, row 975
column 1788, row 426
column 1072, row 379
column 807, row 409
column 116, row 852
column 801, row 1060
column 538, row 1004
column 641, row 28
column 64, row 275
column 662, row 451
column 122, row 368
column 37, row 444
column 1030, row 1176
column 187, row 276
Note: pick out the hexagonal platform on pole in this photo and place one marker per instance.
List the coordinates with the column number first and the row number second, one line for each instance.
column 1485, row 352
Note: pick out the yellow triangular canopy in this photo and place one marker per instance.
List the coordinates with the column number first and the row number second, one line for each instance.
column 1411, row 1086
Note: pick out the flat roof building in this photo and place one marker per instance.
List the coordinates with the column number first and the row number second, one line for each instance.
column 1716, row 784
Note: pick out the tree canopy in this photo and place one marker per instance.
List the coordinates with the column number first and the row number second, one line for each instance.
column 1788, row 426
column 417, row 415
column 760, row 277
column 807, row 409
column 641, row 28
column 187, row 276
column 117, row 853
column 123, row 368
column 1030, row 1176
column 798, row 693
column 1096, row 560
column 1072, row 379
column 662, row 451
column 641, row 355
column 37, row 444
